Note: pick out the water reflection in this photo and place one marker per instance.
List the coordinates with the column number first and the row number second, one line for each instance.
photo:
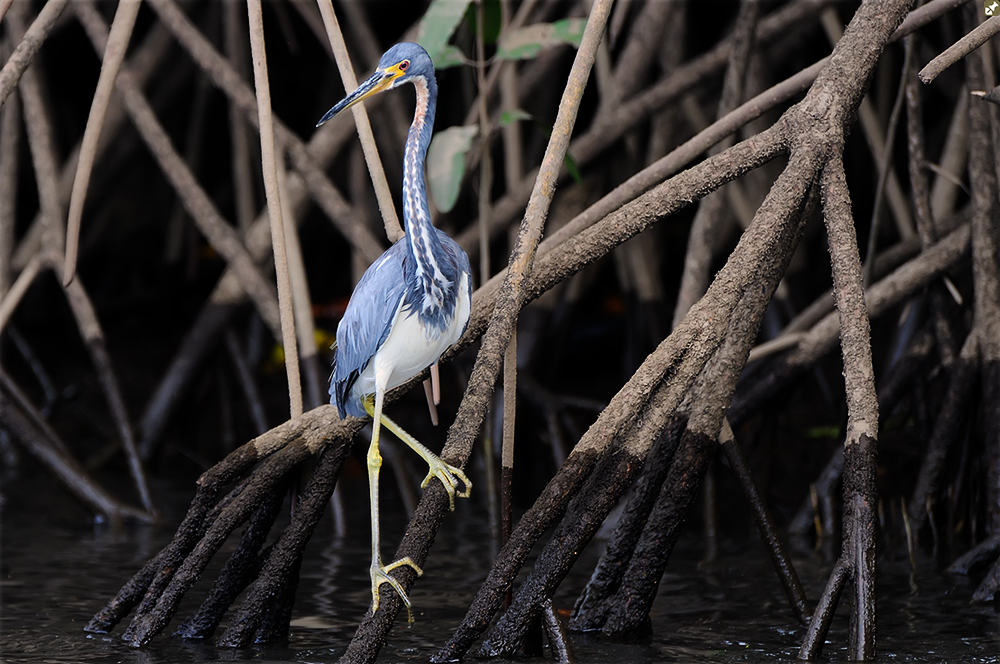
column 56, row 574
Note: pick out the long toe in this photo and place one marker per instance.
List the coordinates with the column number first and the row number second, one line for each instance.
column 450, row 476
column 380, row 575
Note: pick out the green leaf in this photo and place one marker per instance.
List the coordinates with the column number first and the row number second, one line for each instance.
column 821, row 431
column 438, row 25
column 515, row 115
column 528, row 42
column 492, row 20
column 572, row 168
column 446, row 164
column 450, row 56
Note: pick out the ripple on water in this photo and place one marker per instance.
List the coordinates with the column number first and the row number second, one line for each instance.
column 56, row 575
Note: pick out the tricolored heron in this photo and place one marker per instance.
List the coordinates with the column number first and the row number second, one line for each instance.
column 409, row 306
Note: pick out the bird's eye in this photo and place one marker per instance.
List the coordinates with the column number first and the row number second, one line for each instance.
column 404, row 65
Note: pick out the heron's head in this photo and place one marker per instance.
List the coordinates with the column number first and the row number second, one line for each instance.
column 402, row 63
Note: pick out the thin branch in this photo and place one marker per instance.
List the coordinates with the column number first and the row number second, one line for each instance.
column 885, row 167
column 10, row 135
column 196, row 201
column 963, row 47
column 243, row 182
column 274, row 210
column 94, row 339
column 225, row 77
column 4, row 6
column 382, row 194
column 43, row 443
column 862, row 407
column 821, row 337
column 314, row 376
column 21, row 400
column 19, row 288
column 367, row 44
column 43, row 156
column 486, row 159
column 782, row 562
column 247, row 382
column 114, row 54
column 708, row 220
column 916, row 151
column 28, row 45
column 875, row 137
column 43, row 152
column 951, row 163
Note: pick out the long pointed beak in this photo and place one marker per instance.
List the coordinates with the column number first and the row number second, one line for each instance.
column 379, row 81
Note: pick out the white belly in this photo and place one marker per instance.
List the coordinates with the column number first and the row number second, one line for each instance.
column 408, row 350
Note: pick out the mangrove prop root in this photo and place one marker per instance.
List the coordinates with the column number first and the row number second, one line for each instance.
column 241, row 567
column 629, row 608
column 556, row 634
column 584, row 516
column 859, row 482
column 286, row 557
column 276, row 620
column 765, row 523
column 607, row 576
column 977, row 555
column 130, row 595
column 823, row 616
column 154, row 575
column 859, row 535
column 560, row 489
column 946, row 430
column 173, row 582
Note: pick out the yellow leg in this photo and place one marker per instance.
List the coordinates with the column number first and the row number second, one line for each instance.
column 448, row 474
column 380, row 572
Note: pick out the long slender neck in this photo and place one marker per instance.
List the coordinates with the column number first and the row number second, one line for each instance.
column 435, row 276
column 416, row 214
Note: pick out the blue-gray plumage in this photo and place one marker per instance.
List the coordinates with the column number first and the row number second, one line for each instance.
column 409, row 306
column 372, row 311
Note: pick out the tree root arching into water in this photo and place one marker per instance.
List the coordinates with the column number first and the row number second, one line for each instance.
column 710, row 387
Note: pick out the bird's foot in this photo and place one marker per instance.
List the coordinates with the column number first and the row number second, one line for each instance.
column 450, row 476
column 380, row 575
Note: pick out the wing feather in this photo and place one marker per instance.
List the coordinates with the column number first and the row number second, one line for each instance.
column 366, row 324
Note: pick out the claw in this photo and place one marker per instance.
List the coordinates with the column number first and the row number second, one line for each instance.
column 380, row 575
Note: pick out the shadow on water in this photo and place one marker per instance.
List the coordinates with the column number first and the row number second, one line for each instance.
column 55, row 575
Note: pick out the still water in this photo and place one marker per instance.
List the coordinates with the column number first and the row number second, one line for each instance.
column 57, row 570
